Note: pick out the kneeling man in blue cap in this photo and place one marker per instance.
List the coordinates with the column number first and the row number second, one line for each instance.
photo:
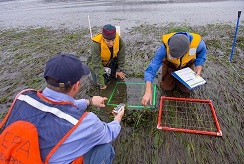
column 51, row 126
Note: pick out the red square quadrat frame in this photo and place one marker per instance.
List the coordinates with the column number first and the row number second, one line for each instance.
column 188, row 115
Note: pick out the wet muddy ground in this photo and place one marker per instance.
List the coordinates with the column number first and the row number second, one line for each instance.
column 25, row 50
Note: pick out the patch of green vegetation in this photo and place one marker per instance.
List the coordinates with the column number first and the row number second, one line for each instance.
column 25, row 51
column 71, row 37
column 240, row 42
column 35, row 82
column 40, row 30
column 180, row 29
column 214, row 43
column 18, row 57
column 2, row 115
column 211, row 57
column 119, row 19
column 139, row 118
column 4, row 98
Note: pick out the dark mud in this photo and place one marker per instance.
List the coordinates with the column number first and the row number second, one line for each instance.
column 24, row 53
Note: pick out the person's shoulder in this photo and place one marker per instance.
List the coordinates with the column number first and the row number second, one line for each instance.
column 91, row 115
column 121, row 40
column 92, row 119
column 193, row 33
column 96, row 45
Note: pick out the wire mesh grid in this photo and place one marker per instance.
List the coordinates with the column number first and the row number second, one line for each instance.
column 130, row 93
column 188, row 115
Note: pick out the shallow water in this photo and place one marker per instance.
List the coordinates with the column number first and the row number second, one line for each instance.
column 74, row 13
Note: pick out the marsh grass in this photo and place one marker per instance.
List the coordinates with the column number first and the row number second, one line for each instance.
column 24, row 53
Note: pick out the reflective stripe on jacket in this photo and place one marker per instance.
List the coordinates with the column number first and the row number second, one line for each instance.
column 54, row 121
column 105, row 52
column 191, row 54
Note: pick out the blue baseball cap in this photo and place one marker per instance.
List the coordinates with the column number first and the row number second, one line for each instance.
column 65, row 69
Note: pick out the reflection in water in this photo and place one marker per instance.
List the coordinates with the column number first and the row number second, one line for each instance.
column 129, row 92
column 119, row 94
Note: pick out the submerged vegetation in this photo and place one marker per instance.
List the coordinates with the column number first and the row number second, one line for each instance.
column 24, row 53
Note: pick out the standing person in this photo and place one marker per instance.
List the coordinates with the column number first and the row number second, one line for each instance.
column 178, row 50
column 107, row 56
column 63, row 130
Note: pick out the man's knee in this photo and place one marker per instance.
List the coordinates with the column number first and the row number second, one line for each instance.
column 108, row 148
column 108, row 151
column 167, row 86
column 184, row 89
column 100, row 154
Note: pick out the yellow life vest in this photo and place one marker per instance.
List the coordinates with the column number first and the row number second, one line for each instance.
column 105, row 52
column 191, row 54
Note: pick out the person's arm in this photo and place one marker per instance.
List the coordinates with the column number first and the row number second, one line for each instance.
column 97, row 63
column 151, row 72
column 100, row 131
column 148, row 94
column 121, row 59
column 200, row 57
column 119, row 115
column 89, row 133
column 121, row 55
column 96, row 101
column 155, row 63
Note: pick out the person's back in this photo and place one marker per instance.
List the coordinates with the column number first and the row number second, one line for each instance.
column 64, row 128
column 18, row 146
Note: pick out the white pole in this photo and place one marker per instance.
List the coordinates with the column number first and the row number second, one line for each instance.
column 89, row 26
column 118, row 30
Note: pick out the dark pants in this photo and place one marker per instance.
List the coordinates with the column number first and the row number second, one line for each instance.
column 113, row 65
column 168, row 82
column 100, row 154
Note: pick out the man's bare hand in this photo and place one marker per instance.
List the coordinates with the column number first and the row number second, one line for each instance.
column 147, row 97
column 198, row 70
column 120, row 74
column 98, row 101
column 103, row 87
column 119, row 115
